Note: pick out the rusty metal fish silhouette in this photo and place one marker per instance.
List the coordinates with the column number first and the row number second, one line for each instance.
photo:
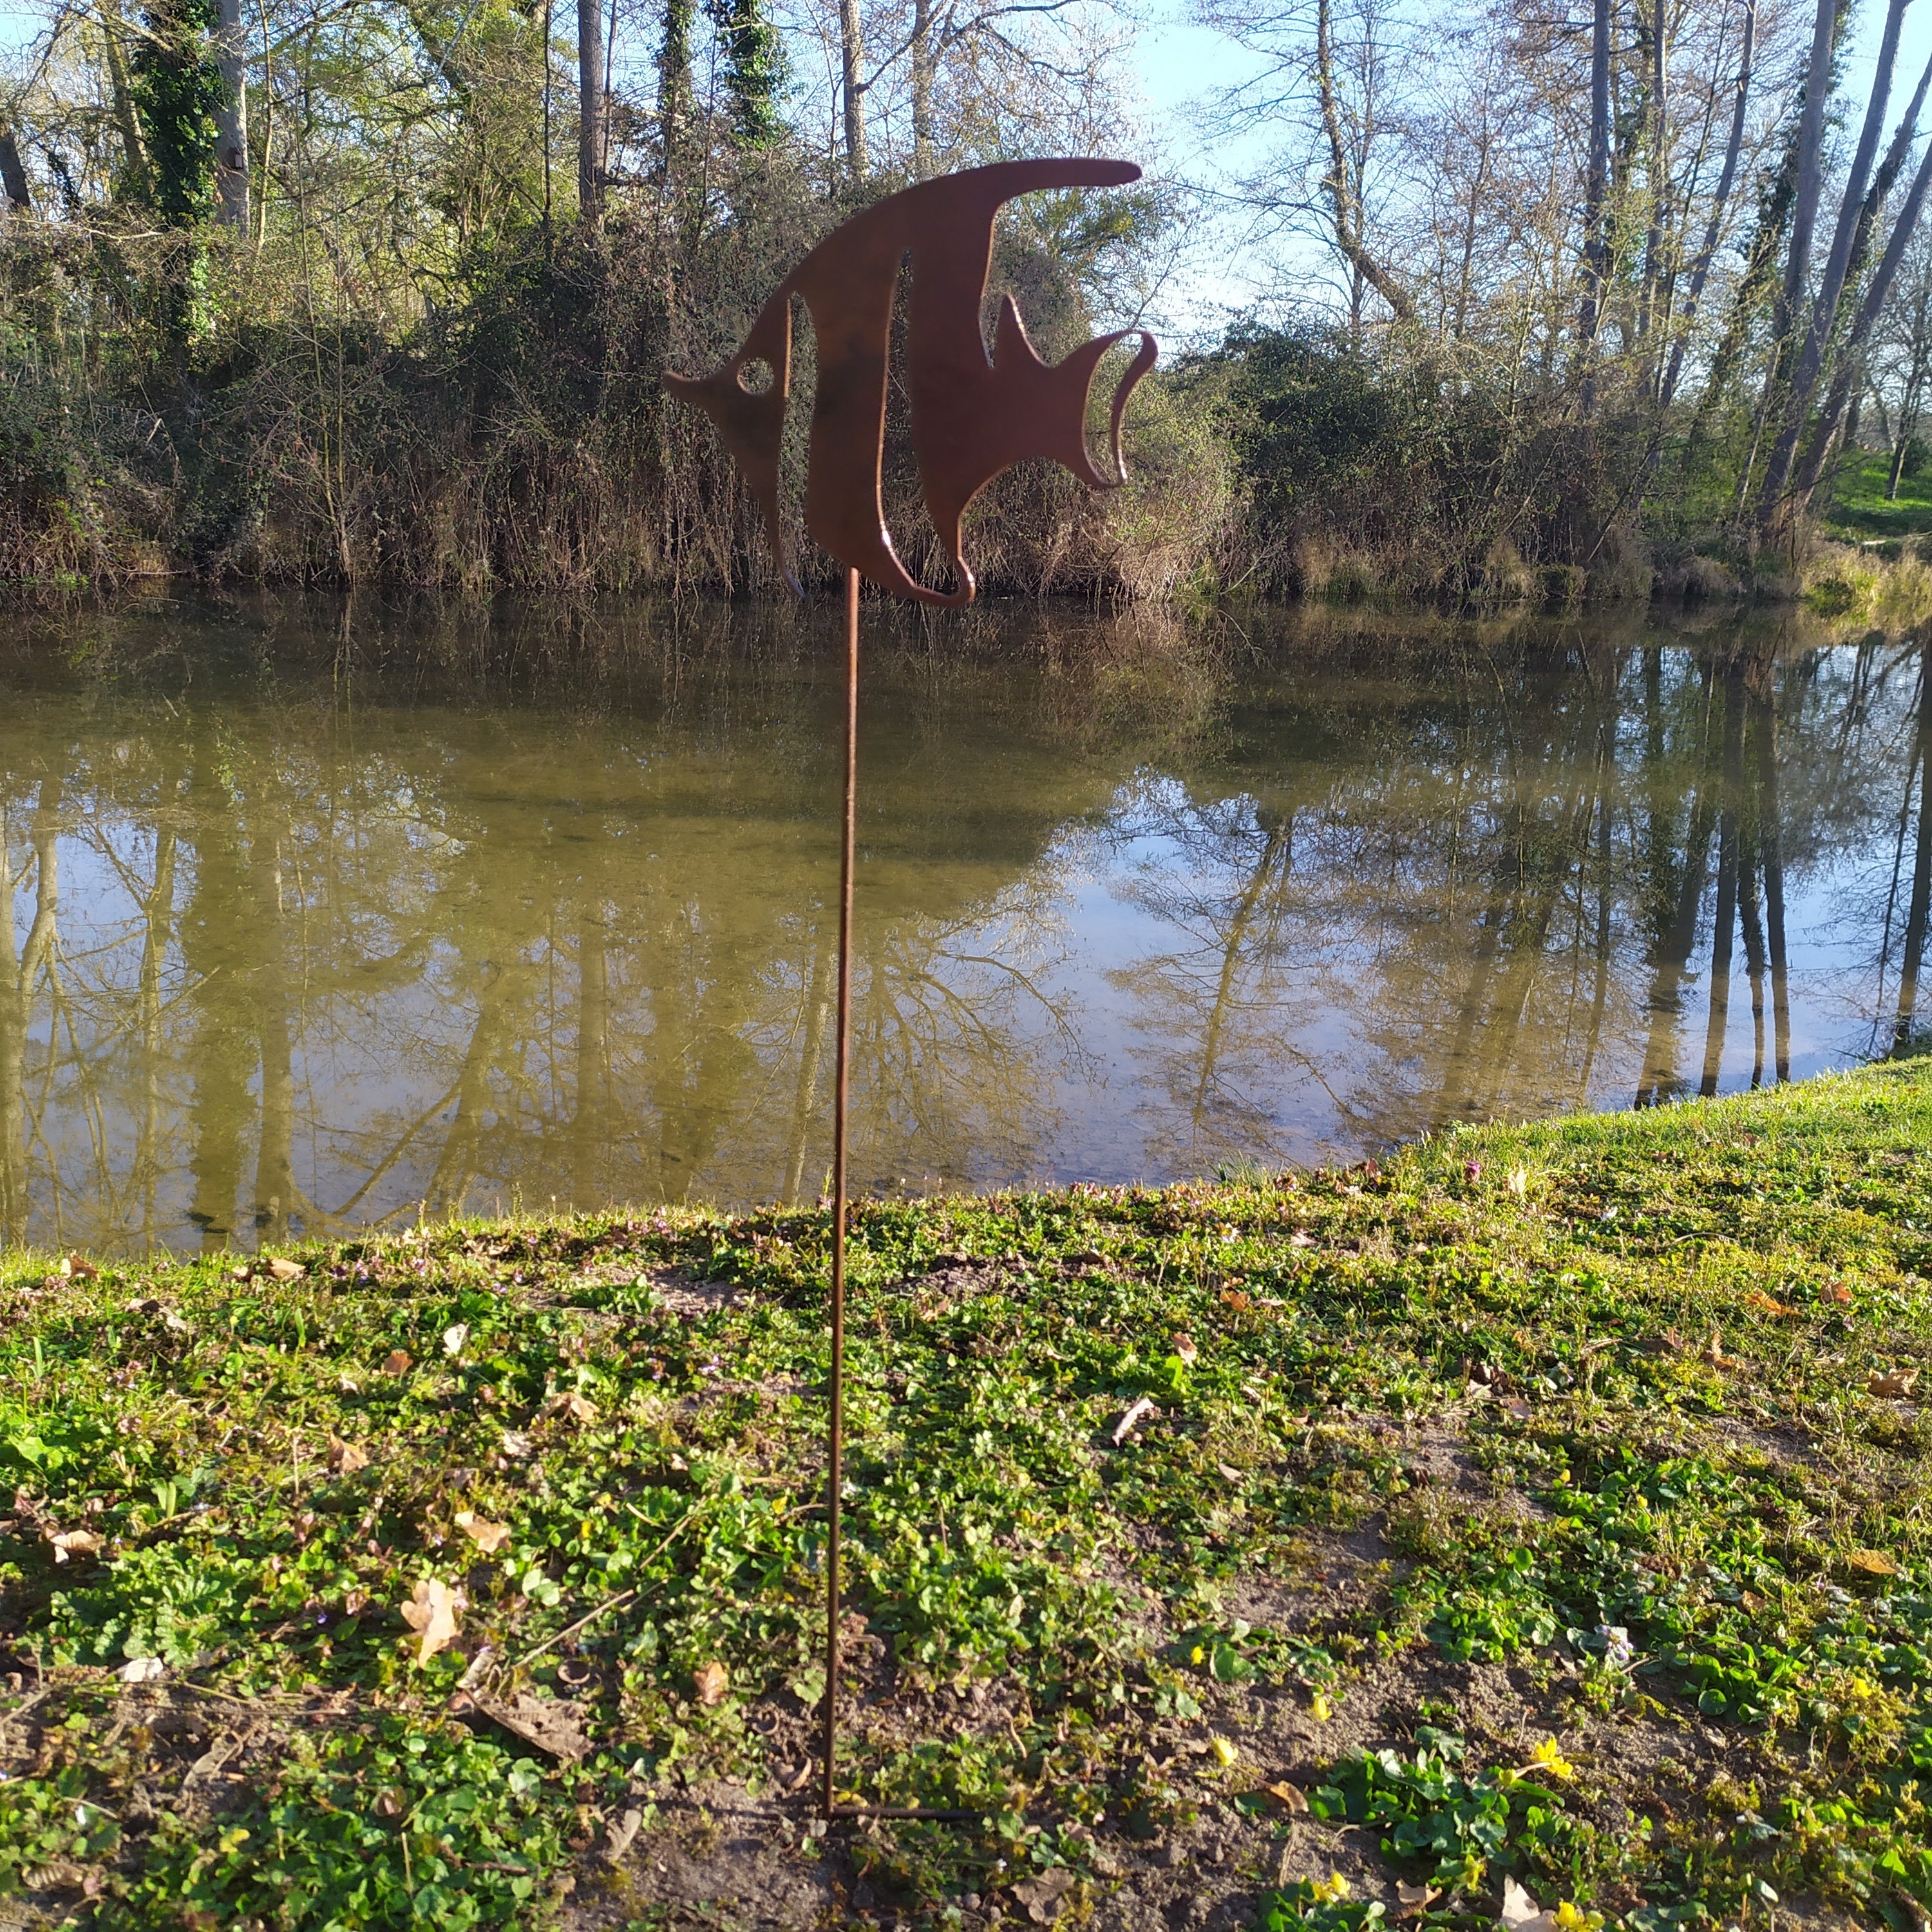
column 972, row 417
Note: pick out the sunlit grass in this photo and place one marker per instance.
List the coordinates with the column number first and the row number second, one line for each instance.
column 1676, row 1352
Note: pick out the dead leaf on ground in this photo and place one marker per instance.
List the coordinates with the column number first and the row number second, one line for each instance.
column 433, row 1613
column 578, row 1408
column 1871, row 1563
column 550, row 1724
column 1415, row 1899
column 1897, row 1382
column 1521, row 1913
column 1291, row 1797
column 67, row 1544
column 74, row 1268
column 488, row 1536
column 1301, row 1238
column 621, row 1833
column 711, row 1680
column 1183, row 1347
column 1714, row 1351
column 397, row 1362
column 1141, row 1409
column 142, row 1670
column 346, row 1458
column 282, row 1269
column 454, row 1337
column 1044, row 1897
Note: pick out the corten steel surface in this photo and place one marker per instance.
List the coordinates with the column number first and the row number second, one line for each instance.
column 972, row 417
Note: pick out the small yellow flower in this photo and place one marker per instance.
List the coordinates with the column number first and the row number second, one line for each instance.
column 1547, row 1756
column 1322, row 1708
column 1571, row 1918
column 1331, row 1890
column 1224, row 1752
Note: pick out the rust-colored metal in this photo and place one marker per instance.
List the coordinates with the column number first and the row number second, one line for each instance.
column 972, row 415
column 840, row 1092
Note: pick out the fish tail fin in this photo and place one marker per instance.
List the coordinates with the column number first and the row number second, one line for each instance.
column 1144, row 361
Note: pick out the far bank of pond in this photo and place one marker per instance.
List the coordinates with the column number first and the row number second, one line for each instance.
column 1541, row 1507
column 318, row 916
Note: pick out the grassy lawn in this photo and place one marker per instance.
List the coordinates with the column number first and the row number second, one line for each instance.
column 1546, row 1508
column 1859, row 511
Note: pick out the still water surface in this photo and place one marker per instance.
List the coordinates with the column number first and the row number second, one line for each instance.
column 310, row 917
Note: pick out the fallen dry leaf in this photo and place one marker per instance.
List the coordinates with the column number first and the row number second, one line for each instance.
column 346, row 1458
column 621, row 1833
column 433, row 1613
column 1137, row 1414
column 1415, row 1899
column 1518, row 1183
column 1301, row 1238
column 1897, row 1382
column 68, row 1544
column 397, row 1362
column 551, row 1723
column 1714, row 1351
column 712, row 1681
column 1229, row 1474
column 75, row 1269
column 488, row 1536
column 142, row 1670
column 578, row 1408
column 1183, row 1347
column 454, row 1338
column 1871, row 1562
column 282, row 1269
column 1521, row 1913
column 1291, row 1797
column 1044, row 1896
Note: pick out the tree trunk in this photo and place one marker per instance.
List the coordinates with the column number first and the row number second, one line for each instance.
column 922, row 65
column 1851, row 358
column 590, row 112
column 14, row 174
column 852, row 61
column 231, row 120
column 1660, row 182
column 1720, row 197
column 1344, row 202
column 1596, row 250
column 1811, row 167
column 1811, row 360
column 134, row 149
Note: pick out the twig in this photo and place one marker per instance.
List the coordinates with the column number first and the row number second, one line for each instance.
column 609, row 1603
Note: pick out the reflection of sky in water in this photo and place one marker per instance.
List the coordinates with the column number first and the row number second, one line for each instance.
column 521, row 952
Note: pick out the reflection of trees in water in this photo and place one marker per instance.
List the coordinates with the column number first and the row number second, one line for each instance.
column 1499, row 900
column 319, row 962
column 376, row 958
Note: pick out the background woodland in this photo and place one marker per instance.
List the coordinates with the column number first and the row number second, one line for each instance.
column 1553, row 304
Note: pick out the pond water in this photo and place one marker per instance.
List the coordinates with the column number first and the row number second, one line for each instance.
column 313, row 916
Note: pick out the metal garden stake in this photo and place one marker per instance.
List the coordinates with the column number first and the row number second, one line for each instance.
column 972, row 415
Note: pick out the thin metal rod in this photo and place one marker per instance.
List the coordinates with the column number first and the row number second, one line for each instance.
column 835, row 1459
